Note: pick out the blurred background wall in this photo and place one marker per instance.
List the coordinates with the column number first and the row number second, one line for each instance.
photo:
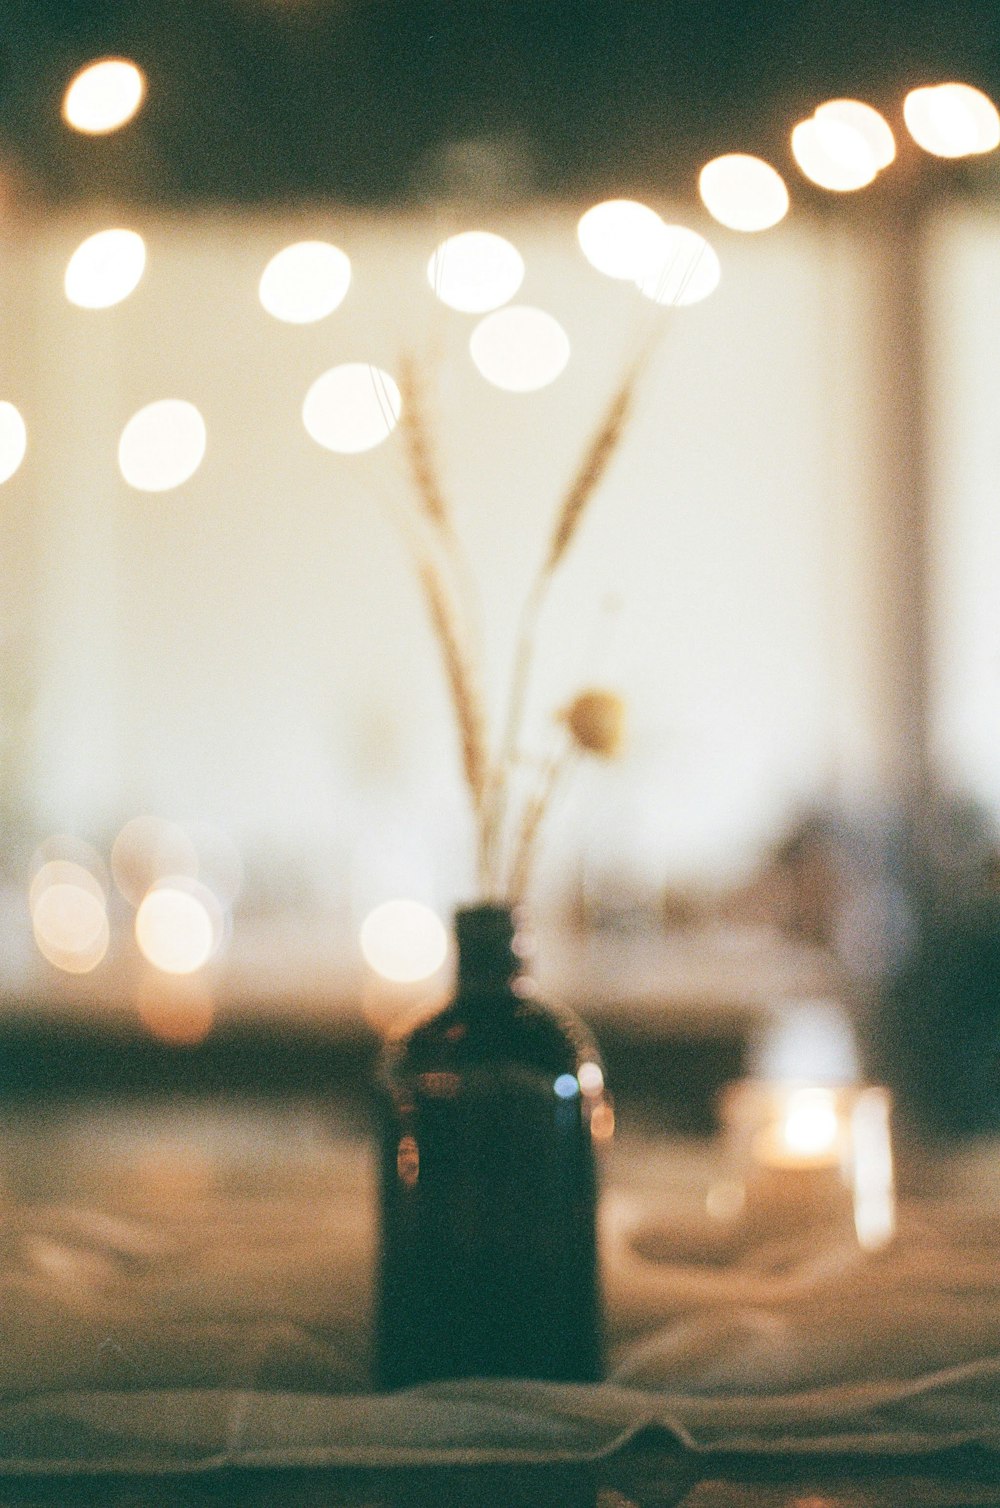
column 251, row 648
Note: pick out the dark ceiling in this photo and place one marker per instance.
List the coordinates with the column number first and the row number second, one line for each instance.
column 374, row 101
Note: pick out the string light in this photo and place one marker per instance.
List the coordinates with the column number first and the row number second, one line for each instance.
column 952, row 120
column 103, row 96
column 105, row 269
column 743, row 192
column 475, row 271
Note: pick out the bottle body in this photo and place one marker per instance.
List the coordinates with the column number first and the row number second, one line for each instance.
column 488, row 1191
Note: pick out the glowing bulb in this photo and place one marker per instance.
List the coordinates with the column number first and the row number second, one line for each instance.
column 147, row 850
column 742, row 192
column 619, row 236
column 684, row 271
column 868, row 123
column 810, row 1126
column 833, row 154
column 404, row 941
column 103, row 96
column 13, row 440
column 305, row 282
column 175, row 926
column 105, row 269
column 352, row 408
column 952, row 120
column 519, row 349
column 475, row 271
column 566, row 1086
column 162, row 445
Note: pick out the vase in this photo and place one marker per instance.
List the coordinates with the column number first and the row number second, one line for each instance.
column 488, row 1112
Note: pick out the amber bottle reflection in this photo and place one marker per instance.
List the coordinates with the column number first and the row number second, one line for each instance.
column 489, row 1111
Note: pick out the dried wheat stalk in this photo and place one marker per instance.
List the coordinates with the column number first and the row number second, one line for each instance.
column 462, row 682
column 414, row 430
column 595, row 463
column 588, row 477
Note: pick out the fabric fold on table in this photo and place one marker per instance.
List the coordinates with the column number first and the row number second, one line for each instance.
column 179, row 1312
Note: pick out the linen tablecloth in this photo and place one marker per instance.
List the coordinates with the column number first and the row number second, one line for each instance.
column 189, row 1289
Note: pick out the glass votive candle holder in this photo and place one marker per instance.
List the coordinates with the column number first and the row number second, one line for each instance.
column 802, row 1155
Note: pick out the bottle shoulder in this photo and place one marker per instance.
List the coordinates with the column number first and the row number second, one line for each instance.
column 521, row 1031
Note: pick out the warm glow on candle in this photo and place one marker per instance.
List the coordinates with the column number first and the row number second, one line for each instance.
column 804, row 1132
column 810, row 1127
column 103, row 96
column 952, row 120
column 742, row 192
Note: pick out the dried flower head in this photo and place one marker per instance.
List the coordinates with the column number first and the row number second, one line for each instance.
column 596, row 720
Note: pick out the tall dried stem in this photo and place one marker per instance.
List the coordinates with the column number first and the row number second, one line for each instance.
column 588, row 477
column 535, row 811
column 465, row 694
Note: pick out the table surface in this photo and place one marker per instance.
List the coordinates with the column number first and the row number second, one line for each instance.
column 178, row 1152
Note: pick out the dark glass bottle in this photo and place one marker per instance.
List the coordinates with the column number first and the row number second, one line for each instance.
column 489, row 1110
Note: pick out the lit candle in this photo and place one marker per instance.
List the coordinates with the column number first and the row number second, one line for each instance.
column 808, row 1154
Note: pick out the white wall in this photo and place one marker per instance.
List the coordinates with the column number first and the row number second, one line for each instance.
column 967, row 484
column 251, row 648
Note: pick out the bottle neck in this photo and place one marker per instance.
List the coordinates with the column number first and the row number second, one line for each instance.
column 493, row 950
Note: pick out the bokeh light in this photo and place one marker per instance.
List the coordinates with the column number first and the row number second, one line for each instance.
column 162, row 445
column 619, row 236
column 181, row 1013
column 952, row 120
column 103, row 96
column 834, row 154
column 105, row 269
column 178, row 925
column 64, row 872
column 404, row 941
column 305, row 282
column 475, row 271
column 868, row 123
column 148, row 849
column 809, row 1126
column 684, row 271
column 352, row 408
column 742, row 192
column 13, row 440
column 68, row 917
column 69, row 848
column 520, row 349
column 590, row 1077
